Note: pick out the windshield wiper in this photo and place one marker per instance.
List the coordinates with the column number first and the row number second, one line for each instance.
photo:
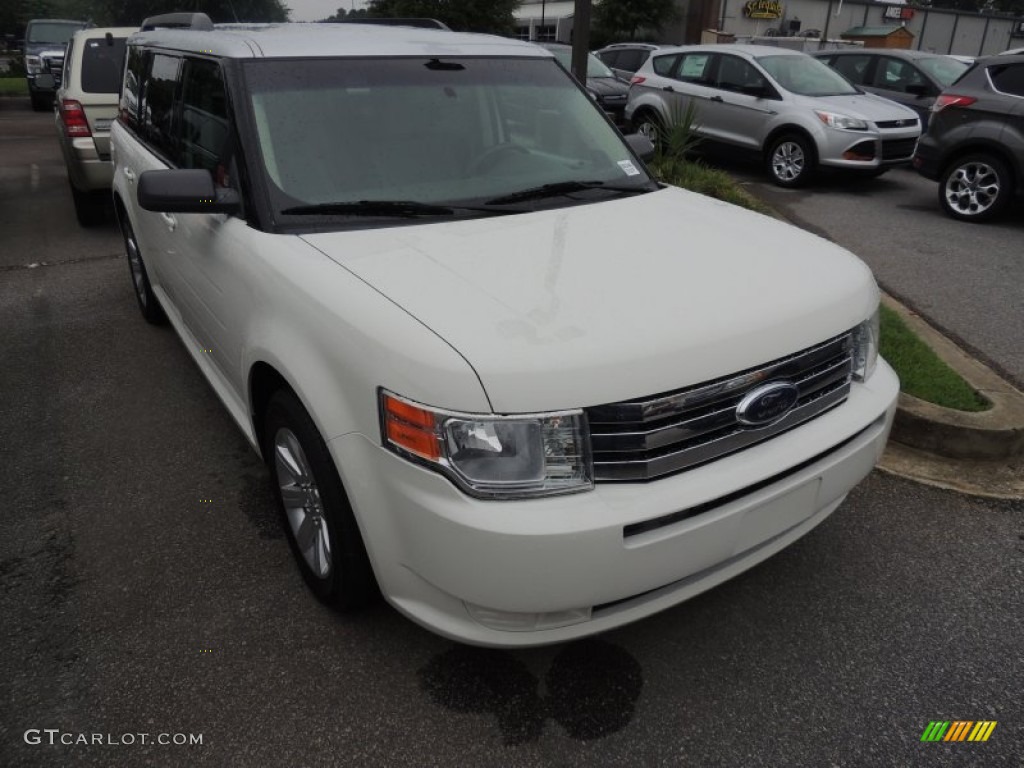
column 402, row 208
column 564, row 188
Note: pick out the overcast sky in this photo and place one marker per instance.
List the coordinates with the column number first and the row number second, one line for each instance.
column 314, row 10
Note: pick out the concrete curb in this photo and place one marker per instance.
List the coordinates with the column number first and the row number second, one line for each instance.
column 978, row 453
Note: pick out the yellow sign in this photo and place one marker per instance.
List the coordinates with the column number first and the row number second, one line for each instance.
column 763, row 9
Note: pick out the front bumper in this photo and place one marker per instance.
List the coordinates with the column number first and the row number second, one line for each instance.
column 857, row 150
column 438, row 554
column 927, row 160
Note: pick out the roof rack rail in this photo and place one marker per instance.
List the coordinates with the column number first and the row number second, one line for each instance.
column 422, row 23
column 197, row 21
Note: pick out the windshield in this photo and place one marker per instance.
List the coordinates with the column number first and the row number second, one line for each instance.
column 54, row 33
column 441, row 132
column 943, row 68
column 806, row 76
column 595, row 67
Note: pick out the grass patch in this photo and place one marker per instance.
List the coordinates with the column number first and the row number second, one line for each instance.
column 922, row 374
column 13, row 86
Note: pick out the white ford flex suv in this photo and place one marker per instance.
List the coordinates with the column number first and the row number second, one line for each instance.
column 496, row 371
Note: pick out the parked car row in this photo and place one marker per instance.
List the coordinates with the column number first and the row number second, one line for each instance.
column 783, row 106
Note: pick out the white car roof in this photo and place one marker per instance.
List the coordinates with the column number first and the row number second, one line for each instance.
column 325, row 40
column 102, row 31
column 741, row 48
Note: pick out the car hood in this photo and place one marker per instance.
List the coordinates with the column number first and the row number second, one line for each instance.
column 598, row 303
column 866, row 106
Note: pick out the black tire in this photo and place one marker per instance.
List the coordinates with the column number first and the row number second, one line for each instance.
column 648, row 124
column 317, row 505
column 90, row 209
column 975, row 187
column 40, row 101
column 149, row 305
column 791, row 161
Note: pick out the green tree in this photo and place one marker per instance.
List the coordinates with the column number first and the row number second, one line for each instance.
column 493, row 16
column 617, row 19
column 342, row 14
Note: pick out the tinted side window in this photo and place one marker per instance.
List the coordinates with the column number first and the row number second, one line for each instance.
column 101, row 65
column 1008, row 79
column 665, row 65
column 204, row 115
column 896, row 75
column 608, row 57
column 134, row 77
column 853, row 68
column 734, row 74
column 158, row 105
column 631, row 59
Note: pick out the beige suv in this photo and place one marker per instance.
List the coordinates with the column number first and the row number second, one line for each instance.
column 86, row 105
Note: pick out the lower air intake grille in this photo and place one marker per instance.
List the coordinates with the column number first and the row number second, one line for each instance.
column 644, row 439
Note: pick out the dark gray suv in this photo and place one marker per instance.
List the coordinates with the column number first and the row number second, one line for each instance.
column 974, row 146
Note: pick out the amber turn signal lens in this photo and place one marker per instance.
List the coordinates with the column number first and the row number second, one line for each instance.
column 411, row 428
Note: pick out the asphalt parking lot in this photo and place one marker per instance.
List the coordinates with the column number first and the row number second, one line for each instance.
column 146, row 587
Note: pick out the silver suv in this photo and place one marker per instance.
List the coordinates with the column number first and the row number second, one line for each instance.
column 788, row 108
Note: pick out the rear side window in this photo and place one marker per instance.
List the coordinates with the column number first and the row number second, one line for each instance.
column 158, row 105
column 1008, row 78
column 853, row 68
column 695, row 68
column 665, row 65
column 131, row 95
column 101, row 64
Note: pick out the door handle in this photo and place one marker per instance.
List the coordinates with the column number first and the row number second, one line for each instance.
column 715, row 98
column 130, row 175
column 169, row 220
column 668, row 88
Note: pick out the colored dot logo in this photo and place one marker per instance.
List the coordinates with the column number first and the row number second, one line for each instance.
column 206, row 501
column 206, row 650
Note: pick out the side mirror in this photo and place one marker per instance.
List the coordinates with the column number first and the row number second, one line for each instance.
column 185, row 191
column 45, row 80
column 641, row 145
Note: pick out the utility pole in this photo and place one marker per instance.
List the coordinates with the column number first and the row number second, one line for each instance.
column 581, row 39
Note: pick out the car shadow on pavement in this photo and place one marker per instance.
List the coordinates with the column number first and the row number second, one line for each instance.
column 592, row 688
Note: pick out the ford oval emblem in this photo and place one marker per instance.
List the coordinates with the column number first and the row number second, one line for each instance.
column 767, row 404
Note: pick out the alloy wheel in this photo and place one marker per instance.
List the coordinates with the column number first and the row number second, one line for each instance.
column 972, row 188
column 302, row 503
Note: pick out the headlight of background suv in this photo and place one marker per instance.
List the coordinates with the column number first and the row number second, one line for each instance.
column 842, row 122
column 488, row 456
column 865, row 348
column 33, row 65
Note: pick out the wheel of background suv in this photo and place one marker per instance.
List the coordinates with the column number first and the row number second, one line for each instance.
column 975, row 187
column 648, row 124
column 791, row 160
column 148, row 304
column 90, row 209
column 318, row 519
column 40, row 101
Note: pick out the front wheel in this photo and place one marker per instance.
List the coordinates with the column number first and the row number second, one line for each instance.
column 975, row 188
column 650, row 126
column 148, row 304
column 322, row 530
column 790, row 161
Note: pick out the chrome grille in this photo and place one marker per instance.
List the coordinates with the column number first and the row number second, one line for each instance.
column 639, row 440
column 905, row 123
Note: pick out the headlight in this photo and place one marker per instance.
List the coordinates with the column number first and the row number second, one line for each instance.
column 497, row 457
column 865, row 348
column 841, row 122
column 33, row 65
